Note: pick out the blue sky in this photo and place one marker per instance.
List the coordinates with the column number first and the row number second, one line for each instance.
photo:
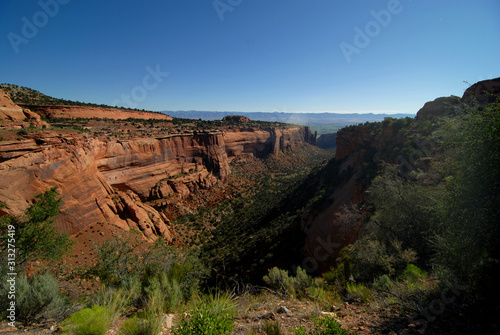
column 251, row 55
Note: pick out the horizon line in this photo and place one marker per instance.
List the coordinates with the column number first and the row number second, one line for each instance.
column 387, row 112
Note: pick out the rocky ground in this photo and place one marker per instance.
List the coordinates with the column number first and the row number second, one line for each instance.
column 289, row 313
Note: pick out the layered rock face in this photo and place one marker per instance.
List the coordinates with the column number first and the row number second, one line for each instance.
column 73, row 112
column 13, row 116
column 70, row 164
column 263, row 142
column 110, row 181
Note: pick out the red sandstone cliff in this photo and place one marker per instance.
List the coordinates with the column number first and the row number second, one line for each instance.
column 73, row 112
column 109, row 180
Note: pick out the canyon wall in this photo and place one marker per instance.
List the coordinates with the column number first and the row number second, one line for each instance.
column 109, row 181
column 73, row 112
column 361, row 150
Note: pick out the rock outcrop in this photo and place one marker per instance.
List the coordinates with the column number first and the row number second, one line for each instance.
column 486, row 91
column 108, row 180
column 73, row 112
column 483, row 92
column 439, row 107
column 13, row 116
column 9, row 111
column 70, row 164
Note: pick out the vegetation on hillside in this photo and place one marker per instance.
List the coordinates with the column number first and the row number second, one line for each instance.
column 430, row 225
column 28, row 96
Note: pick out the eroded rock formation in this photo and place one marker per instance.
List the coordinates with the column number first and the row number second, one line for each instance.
column 13, row 116
column 73, row 112
column 110, row 180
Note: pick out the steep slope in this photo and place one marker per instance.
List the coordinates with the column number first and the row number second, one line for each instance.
column 412, row 144
column 109, row 178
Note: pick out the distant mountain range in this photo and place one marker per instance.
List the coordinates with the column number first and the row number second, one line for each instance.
column 321, row 122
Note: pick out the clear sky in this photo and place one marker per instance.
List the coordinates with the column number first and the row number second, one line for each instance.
column 251, row 55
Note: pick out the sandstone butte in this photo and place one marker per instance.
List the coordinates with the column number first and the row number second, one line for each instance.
column 106, row 180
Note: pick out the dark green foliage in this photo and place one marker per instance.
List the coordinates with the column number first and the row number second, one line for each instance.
column 281, row 281
column 324, row 326
column 28, row 96
column 36, row 297
column 441, row 203
column 467, row 245
column 412, row 273
column 358, row 292
column 35, row 236
column 211, row 317
column 403, row 218
column 164, row 276
column 254, row 230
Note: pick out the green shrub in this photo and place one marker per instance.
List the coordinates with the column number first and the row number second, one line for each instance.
column 149, row 324
column 205, row 321
column 300, row 331
column 89, row 321
column 212, row 317
column 302, row 280
column 317, row 292
column 413, row 274
column 36, row 297
column 373, row 257
column 160, row 275
column 383, row 283
column 163, row 295
column 359, row 291
column 272, row 328
column 36, row 237
column 115, row 300
column 280, row 280
column 323, row 326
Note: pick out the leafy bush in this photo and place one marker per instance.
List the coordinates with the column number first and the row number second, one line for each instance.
column 467, row 248
column 89, row 321
column 36, row 236
column 280, row 280
column 317, row 292
column 115, row 300
column 412, row 274
column 36, row 297
column 323, row 326
column 405, row 212
column 163, row 294
column 373, row 257
column 383, row 282
column 211, row 317
column 272, row 328
column 359, row 291
column 205, row 321
column 149, row 324
column 157, row 275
